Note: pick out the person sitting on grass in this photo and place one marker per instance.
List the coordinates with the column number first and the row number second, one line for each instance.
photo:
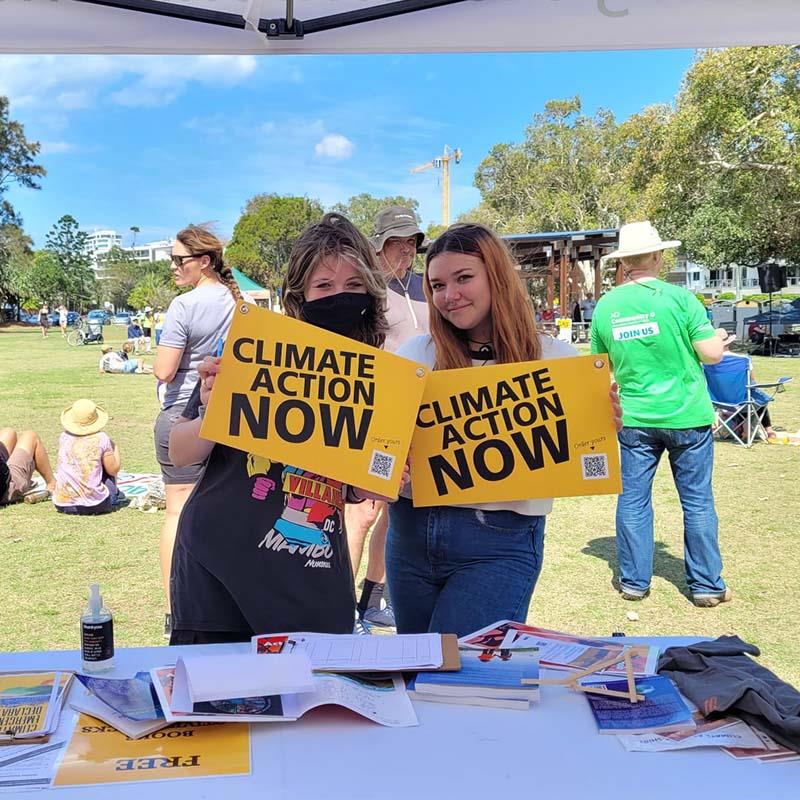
column 136, row 336
column 120, row 363
column 21, row 455
column 88, row 462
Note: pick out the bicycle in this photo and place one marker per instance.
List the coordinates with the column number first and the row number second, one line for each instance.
column 85, row 332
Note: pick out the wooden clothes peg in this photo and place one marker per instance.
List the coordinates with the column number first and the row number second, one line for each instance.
column 572, row 681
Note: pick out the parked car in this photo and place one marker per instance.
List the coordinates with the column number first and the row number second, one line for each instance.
column 122, row 318
column 72, row 318
column 99, row 314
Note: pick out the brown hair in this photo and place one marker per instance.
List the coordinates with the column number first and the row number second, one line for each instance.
column 200, row 241
column 334, row 235
column 643, row 261
column 514, row 334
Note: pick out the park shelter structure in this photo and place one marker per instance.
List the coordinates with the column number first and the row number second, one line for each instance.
column 253, row 27
column 561, row 261
column 250, row 287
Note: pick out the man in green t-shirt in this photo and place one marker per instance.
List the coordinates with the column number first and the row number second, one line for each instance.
column 656, row 336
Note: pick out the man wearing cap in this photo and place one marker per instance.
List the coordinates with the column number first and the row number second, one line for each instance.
column 656, row 335
column 396, row 241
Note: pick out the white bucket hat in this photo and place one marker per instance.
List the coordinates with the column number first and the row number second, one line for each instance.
column 638, row 238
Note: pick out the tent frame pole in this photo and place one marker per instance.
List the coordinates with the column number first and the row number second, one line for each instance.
column 288, row 27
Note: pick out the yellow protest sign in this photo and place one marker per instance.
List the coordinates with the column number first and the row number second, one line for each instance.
column 299, row 395
column 97, row 753
column 515, row 432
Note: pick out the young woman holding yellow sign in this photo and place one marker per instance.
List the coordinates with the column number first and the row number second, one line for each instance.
column 457, row 569
column 261, row 546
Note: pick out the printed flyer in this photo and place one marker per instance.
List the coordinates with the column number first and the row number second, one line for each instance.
column 299, row 395
column 99, row 754
column 516, row 432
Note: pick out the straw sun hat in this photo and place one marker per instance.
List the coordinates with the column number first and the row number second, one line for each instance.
column 83, row 417
column 638, row 238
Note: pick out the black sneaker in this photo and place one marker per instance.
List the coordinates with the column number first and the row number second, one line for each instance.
column 167, row 625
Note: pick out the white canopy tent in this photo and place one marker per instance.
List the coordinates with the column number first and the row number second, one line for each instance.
column 418, row 26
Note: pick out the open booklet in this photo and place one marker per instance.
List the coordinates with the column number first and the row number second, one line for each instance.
column 381, row 698
column 561, row 651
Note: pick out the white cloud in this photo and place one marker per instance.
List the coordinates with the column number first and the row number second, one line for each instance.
column 49, row 148
column 334, row 146
column 73, row 82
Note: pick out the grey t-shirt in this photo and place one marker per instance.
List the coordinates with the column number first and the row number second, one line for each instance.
column 195, row 322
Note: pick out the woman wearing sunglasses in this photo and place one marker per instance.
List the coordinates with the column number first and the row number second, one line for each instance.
column 193, row 326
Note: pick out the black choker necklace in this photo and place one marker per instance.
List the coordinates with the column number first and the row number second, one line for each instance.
column 484, row 351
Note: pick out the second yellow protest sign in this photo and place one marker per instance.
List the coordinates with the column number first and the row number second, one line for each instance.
column 515, row 432
column 314, row 400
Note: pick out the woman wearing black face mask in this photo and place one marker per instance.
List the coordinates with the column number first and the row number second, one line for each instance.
column 257, row 549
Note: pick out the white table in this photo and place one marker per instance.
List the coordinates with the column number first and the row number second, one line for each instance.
column 457, row 752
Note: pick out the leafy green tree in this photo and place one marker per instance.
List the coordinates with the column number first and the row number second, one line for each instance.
column 152, row 290
column 263, row 237
column 565, row 175
column 362, row 209
column 722, row 169
column 16, row 254
column 17, row 165
column 69, row 246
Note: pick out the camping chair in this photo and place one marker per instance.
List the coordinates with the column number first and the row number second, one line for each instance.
column 740, row 405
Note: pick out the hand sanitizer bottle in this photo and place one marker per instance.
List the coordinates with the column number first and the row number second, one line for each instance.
column 97, row 634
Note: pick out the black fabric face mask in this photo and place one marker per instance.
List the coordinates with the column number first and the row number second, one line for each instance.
column 339, row 313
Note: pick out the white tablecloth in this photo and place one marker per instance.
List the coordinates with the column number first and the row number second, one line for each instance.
column 458, row 752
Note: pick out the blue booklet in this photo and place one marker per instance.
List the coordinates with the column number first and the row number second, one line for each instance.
column 663, row 709
column 134, row 698
column 491, row 672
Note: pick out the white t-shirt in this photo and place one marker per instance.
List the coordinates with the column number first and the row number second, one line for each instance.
column 112, row 362
column 422, row 350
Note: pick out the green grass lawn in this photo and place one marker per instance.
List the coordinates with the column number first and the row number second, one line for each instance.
column 50, row 559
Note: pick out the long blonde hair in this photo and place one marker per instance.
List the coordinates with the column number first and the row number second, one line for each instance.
column 334, row 235
column 200, row 241
column 514, row 334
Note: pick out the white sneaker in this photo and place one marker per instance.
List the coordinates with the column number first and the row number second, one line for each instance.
column 361, row 628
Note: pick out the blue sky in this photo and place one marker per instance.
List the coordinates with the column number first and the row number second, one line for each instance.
column 159, row 142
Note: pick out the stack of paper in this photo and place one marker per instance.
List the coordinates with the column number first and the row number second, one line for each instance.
column 487, row 677
column 351, row 653
column 31, row 702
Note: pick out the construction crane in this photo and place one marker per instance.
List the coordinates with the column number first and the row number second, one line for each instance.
column 442, row 162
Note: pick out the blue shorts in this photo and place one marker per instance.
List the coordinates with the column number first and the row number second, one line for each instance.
column 131, row 365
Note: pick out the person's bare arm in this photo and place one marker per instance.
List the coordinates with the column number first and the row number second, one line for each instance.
column 185, row 445
column 710, row 351
column 168, row 359
column 111, row 461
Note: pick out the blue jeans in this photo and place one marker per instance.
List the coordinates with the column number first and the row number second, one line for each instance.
column 455, row 570
column 691, row 457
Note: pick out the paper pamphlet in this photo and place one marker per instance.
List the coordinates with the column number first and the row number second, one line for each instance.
column 379, row 697
column 202, row 679
column 561, row 651
column 725, row 732
column 346, row 653
column 32, row 766
column 30, row 702
column 98, row 754
column 238, row 709
column 88, row 703
column 132, row 698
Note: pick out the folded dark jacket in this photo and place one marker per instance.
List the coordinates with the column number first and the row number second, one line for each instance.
column 721, row 679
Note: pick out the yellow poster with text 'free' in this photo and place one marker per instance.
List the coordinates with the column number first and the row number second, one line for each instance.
column 97, row 753
column 315, row 400
column 515, row 432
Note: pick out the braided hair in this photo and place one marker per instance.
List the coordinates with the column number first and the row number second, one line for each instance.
column 200, row 241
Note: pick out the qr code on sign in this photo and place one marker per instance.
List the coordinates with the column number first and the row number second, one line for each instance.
column 594, row 467
column 382, row 465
